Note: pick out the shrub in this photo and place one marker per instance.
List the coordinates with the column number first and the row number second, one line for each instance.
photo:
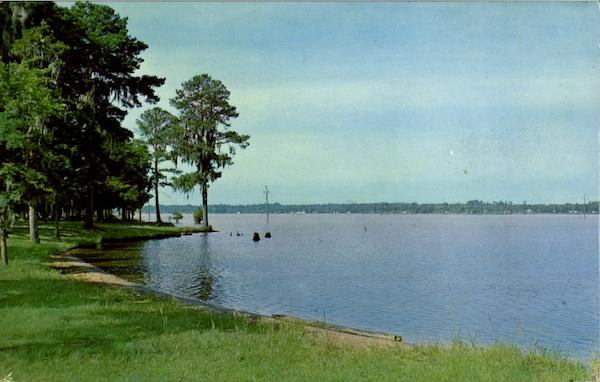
column 198, row 215
column 177, row 216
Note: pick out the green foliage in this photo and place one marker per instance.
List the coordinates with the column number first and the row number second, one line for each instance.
column 28, row 99
column 205, row 115
column 111, row 56
column 103, row 87
column 177, row 216
column 15, row 18
column 128, row 186
column 187, row 182
column 198, row 215
column 66, row 80
column 27, row 103
column 156, row 126
column 202, row 133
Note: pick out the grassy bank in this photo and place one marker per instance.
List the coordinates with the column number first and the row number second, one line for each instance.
column 53, row 328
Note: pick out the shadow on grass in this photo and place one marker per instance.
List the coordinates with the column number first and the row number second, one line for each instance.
column 65, row 316
column 46, row 231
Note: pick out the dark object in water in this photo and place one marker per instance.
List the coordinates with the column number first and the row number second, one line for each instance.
column 268, row 235
column 187, row 233
column 256, row 237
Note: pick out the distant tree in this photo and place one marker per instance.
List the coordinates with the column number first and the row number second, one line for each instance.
column 177, row 216
column 156, row 127
column 204, row 120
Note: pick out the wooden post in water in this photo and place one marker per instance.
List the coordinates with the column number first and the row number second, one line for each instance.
column 267, row 198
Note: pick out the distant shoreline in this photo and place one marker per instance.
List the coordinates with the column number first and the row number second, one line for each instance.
column 473, row 207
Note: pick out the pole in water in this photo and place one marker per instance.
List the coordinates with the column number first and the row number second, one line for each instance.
column 267, row 199
column 583, row 206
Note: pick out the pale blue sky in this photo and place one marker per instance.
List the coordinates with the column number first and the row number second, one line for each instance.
column 368, row 102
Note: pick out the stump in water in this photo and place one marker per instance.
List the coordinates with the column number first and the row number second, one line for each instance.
column 268, row 235
column 256, row 236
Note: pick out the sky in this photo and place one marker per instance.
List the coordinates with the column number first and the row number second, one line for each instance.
column 396, row 102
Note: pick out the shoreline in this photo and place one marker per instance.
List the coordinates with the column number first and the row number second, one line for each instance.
column 69, row 265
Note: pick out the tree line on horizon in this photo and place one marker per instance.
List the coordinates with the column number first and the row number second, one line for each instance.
column 68, row 76
column 473, row 207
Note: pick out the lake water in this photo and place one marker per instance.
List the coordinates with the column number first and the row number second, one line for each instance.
column 530, row 280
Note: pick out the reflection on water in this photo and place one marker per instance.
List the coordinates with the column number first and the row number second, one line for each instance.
column 203, row 285
column 529, row 280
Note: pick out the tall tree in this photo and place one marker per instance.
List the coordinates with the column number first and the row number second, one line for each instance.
column 10, row 145
column 156, row 127
column 99, row 77
column 202, row 132
column 27, row 106
column 32, row 54
column 104, row 64
column 26, row 103
column 40, row 101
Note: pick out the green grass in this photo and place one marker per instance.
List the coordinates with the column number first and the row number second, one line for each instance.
column 53, row 328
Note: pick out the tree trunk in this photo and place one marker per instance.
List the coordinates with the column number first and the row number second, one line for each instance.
column 56, row 220
column 123, row 214
column 34, row 233
column 205, row 204
column 98, row 214
column 156, row 192
column 3, row 251
column 89, row 209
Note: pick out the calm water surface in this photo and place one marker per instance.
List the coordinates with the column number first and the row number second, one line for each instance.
column 529, row 280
